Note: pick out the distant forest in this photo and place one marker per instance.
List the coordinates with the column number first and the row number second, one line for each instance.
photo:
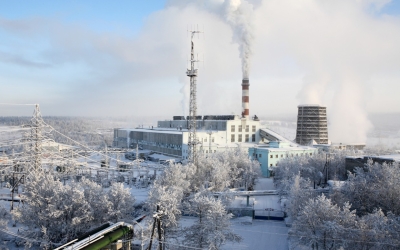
column 85, row 130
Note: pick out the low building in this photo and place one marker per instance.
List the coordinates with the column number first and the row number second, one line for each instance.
column 353, row 162
column 269, row 155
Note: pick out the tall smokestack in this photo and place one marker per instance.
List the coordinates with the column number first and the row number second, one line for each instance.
column 245, row 98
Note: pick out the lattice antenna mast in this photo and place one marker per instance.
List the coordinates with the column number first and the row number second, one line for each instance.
column 37, row 124
column 192, row 73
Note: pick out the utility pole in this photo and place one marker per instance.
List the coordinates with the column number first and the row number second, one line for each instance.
column 326, row 168
column 192, row 73
column 157, row 221
column 209, row 132
column 15, row 184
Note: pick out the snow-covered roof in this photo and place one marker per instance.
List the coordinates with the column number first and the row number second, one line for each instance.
column 156, row 130
column 394, row 157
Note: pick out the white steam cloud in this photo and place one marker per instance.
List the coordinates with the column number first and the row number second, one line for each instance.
column 239, row 15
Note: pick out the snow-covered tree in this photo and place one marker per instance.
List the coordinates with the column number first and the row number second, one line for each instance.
column 61, row 210
column 212, row 226
column 243, row 172
column 98, row 200
column 121, row 202
column 60, row 213
column 298, row 195
column 374, row 187
column 168, row 191
column 323, row 225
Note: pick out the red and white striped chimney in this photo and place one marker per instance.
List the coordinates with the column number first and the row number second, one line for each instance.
column 245, row 98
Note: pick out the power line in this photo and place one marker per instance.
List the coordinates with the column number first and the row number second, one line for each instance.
column 22, row 237
column 18, row 104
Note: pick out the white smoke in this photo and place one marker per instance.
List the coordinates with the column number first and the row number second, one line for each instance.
column 239, row 15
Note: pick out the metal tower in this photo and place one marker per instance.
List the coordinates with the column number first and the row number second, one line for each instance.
column 37, row 124
column 192, row 73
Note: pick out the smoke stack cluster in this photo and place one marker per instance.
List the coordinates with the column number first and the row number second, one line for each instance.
column 245, row 98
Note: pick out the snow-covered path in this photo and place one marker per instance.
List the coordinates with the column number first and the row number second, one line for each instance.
column 263, row 235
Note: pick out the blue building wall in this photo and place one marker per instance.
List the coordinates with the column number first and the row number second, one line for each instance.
column 270, row 156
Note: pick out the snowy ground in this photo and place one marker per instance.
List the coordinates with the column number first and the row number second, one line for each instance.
column 260, row 234
column 265, row 184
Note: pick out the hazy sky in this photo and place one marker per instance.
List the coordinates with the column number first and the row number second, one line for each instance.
column 128, row 58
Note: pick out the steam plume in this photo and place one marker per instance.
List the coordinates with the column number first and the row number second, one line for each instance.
column 238, row 14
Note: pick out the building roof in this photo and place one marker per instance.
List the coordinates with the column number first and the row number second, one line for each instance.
column 394, row 157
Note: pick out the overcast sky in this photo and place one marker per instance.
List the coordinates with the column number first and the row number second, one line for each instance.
column 129, row 58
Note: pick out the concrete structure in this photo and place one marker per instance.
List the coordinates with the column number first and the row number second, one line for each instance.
column 269, row 155
column 312, row 125
column 171, row 137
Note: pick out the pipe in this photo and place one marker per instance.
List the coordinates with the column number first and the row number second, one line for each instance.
column 107, row 239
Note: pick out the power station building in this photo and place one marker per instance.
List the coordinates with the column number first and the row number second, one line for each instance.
column 215, row 133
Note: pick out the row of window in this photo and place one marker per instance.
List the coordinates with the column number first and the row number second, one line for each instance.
column 205, row 139
column 253, row 128
column 277, row 156
column 246, row 138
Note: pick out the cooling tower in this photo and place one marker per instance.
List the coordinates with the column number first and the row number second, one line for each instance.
column 312, row 125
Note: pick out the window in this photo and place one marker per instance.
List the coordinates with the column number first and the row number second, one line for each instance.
column 253, row 138
column 276, row 156
column 240, row 128
column 270, row 165
column 205, row 139
column 281, row 156
column 259, row 155
column 232, row 138
column 206, row 151
column 247, row 138
column 232, row 128
column 247, row 128
column 239, row 138
column 310, row 154
column 212, row 139
column 271, row 156
column 253, row 128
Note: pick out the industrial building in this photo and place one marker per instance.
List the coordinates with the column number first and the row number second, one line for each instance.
column 214, row 133
column 353, row 162
column 171, row 138
column 312, row 125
